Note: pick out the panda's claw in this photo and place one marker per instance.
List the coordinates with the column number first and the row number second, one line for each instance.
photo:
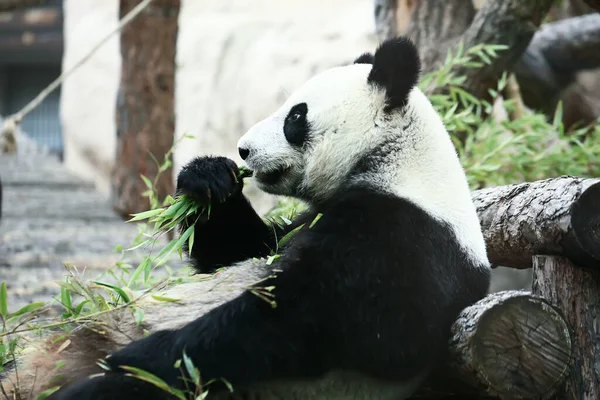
column 235, row 178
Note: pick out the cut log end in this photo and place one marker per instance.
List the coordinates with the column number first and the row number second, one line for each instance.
column 512, row 345
column 585, row 220
column 524, row 348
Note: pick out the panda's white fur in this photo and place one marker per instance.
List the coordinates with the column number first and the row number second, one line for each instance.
column 365, row 295
column 427, row 171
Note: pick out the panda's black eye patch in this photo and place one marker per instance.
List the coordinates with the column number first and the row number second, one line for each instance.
column 296, row 126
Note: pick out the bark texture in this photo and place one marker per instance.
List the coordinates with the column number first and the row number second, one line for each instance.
column 500, row 348
column 545, row 62
column 145, row 104
column 439, row 26
column 577, row 293
column 523, row 220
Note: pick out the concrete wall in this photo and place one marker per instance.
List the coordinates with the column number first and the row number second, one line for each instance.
column 88, row 96
column 237, row 61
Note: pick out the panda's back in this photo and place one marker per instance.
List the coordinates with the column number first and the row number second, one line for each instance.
column 403, row 278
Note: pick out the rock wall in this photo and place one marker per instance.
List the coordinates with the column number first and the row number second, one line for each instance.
column 237, row 61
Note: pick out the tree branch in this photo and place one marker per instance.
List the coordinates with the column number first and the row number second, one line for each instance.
column 570, row 45
column 509, row 22
column 556, row 53
column 437, row 28
column 557, row 216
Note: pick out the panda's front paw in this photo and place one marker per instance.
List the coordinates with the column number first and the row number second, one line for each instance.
column 154, row 353
column 209, row 180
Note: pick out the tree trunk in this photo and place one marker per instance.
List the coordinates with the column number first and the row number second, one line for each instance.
column 145, row 104
column 577, row 293
column 438, row 26
column 545, row 67
column 557, row 216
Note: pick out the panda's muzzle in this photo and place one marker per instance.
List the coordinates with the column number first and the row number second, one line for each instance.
column 270, row 177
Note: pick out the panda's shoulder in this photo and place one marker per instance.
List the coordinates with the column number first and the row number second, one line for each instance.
column 377, row 220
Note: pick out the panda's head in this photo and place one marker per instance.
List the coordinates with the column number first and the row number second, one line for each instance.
column 346, row 123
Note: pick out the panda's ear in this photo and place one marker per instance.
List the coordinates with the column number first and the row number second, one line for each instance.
column 396, row 69
column 365, row 58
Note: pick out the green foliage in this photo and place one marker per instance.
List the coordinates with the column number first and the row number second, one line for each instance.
column 502, row 152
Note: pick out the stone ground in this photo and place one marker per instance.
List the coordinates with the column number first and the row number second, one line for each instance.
column 49, row 217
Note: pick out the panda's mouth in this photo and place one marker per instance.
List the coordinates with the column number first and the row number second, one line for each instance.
column 270, row 177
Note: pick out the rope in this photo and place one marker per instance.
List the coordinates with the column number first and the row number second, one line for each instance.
column 8, row 133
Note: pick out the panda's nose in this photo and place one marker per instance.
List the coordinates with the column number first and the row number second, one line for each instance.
column 243, row 152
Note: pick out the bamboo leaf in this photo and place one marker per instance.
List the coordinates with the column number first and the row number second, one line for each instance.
column 118, row 290
column 146, row 214
column 165, row 298
column 3, row 300
column 27, row 309
column 191, row 369
column 286, row 238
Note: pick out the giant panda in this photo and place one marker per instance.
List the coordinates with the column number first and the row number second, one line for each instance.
column 387, row 254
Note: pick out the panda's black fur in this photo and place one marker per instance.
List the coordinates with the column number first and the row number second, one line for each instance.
column 372, row 287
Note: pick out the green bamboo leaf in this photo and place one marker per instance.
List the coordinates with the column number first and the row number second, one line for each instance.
column 174, row 244
column 138, row 271
column 147, row 182
column 27, row 309
column 144, row 243
column 44, row 395
column 139, row 316
column 315, row 220
column 191, row 369
column 118, row 290
column 80, row 307
column 153, row 379
column 165, row 298
column 286, row 238
column 191, row 242
column 3, row 300
column 146, row 214
column 65, row 298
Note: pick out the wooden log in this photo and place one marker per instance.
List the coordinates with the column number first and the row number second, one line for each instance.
column 145, row 104
column 509, row 345
column 556, row 216
column 576, row 292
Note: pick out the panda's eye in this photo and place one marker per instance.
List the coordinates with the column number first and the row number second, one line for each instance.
column 296, row 126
